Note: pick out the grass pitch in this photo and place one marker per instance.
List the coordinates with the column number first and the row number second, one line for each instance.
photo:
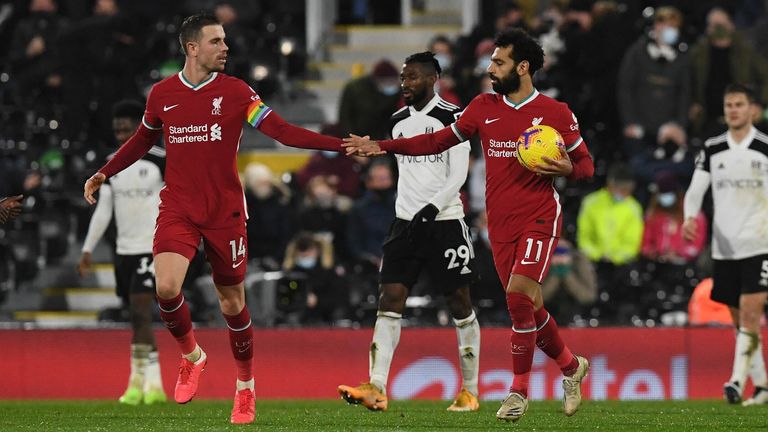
column 329, row 415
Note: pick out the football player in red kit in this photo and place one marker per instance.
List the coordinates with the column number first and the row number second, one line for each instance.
column 524, row 213
column 200, row 112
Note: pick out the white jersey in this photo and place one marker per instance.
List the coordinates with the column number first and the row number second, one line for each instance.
column 431, row 179
column 134, row 197
column 738, row 174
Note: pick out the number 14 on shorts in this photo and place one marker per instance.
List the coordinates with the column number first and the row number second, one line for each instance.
column 238, row 252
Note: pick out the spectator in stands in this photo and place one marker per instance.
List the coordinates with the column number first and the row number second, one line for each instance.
column 34, row 57
column 367, row 102
column 442, row 47
column 609, row 232
column 10, row 207
column 324, row 213
column 571, row 284
column 653, row 100
column 343, row 171
column 719, row 58
column 313, row 290
column 271, row 218
column 759, row 115
column 371, row 216
column 663, row 240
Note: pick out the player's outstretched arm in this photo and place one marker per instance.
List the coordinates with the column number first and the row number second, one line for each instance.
column 362, row 146
column 10, row 207
column 425, row 144
column 294, row 136
column 92, row 185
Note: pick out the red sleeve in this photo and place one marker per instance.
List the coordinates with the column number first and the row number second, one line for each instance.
column 151, row 117
column 276, row 128
column 583, row 167
column 137, row 146
column 437, row 142
column 568, row 126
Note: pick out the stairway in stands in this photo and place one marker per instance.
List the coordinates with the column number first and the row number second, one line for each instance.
column 353, row 50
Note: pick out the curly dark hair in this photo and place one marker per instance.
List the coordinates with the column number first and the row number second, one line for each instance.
column 427, row 60
column 524, row 47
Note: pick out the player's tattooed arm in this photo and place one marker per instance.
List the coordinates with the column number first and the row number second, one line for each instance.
column 553, row 168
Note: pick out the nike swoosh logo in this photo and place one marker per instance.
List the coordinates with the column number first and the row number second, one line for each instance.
column 238, row 264
column 489, row 121
column 524, row 262
column 169, row 107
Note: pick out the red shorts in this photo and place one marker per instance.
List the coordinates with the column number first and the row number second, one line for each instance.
column 225, row 248
column 530, row 256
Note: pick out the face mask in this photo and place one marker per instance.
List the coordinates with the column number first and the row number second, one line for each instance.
column 720, row 32
column 324, row 201
column 560, row 270
column 667, row 199
column 669, row 35
column 329, row 154
column 484, row 235
column 443, row 60
column 482, row 64
column 262, row 191
column 389, row 89
column 617, row 197
column 307, row 262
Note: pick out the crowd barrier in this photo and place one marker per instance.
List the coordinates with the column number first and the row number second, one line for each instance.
column 627, row 363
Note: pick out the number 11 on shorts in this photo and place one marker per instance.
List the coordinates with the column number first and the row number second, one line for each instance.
column 238, row 251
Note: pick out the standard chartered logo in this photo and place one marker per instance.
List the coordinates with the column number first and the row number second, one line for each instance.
column 194, row 133
column 215, row 132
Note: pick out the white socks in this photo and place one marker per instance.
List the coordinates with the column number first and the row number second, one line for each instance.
column 386, row 335
column 196, row 356
column 746, row 347
column 245, row 384
column 757, row 368
column 139, row 358
column 468, row 335
column 152, row 378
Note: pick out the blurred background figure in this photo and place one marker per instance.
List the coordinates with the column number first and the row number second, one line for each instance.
column 324, row 212
column 571, row 284
column 653, row 99
column 343, row 171
column 10, row 208
column 270, row 216
column 720, row 57
column 313, row 290
column 609, row 232
column 367, row 102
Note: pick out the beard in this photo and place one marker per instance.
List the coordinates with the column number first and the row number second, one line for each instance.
column 506, row 85
column 416, row 98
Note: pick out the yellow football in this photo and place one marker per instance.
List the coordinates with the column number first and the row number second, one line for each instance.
column 538, row 141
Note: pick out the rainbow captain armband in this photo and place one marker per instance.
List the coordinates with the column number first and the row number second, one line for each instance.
column 257, row 111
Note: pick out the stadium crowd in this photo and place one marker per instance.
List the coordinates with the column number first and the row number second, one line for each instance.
column 645, row 78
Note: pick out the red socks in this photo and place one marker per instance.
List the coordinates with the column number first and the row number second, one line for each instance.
column 548, row 340
column 523, row 339
column 241, row 342
column 175, row 314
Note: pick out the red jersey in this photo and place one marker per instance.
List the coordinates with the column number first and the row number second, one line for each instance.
column 517, row 200
column 202, row 125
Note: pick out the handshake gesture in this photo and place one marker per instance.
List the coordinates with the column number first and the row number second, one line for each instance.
column 362, row 146
column 10, row 207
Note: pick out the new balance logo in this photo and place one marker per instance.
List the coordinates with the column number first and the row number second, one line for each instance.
column 536, row 121
column 215, row 132
column 465, row 270
column 489, row 121
column 169, row 107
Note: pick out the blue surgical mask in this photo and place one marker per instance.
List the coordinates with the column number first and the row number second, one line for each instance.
column 482, row 65
column 617, row 197
column 669, row 35
column 444, row 61
column 484, row 235
column 667, row 199
column 389, row 89
column 329, row 154
column 307, row 262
